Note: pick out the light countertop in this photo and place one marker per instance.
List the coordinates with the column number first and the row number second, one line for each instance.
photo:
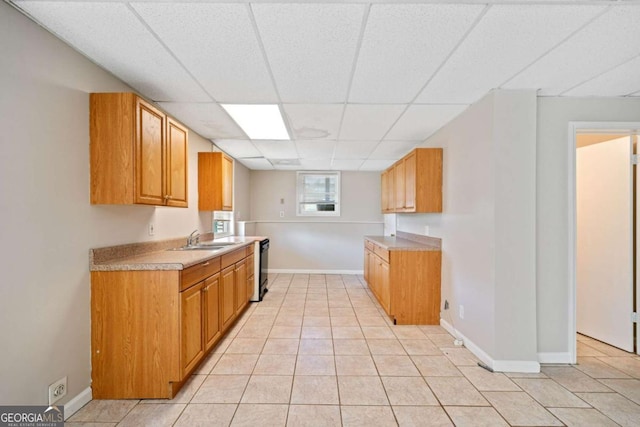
column 395, row 243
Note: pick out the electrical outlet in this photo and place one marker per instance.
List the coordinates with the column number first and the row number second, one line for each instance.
column 57, row 390
column 461, row 311
column 281, row 214
column 446, row 304
column 151, row 229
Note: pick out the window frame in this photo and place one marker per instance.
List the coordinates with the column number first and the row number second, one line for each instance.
column 300, row 194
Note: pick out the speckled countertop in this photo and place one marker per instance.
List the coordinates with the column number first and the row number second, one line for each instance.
column 156, row 256
column 402, row 243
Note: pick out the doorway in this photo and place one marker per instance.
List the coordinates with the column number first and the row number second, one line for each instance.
column 602, row 218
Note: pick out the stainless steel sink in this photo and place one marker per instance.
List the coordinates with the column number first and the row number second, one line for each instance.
column 198, row 248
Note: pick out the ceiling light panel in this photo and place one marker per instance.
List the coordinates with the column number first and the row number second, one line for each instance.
column 421, row 121
column 403, row 45
column 506, row 40
column 393, row 149
column 277, row 149
column 238, row 148
column 310, row 48
column 258, row 121
column 621, row 81
column 376, row 165
column 346, row 165
column 207, row 119
column 350, row 150
column 314, row 121
column 315, row 149
column 218, row 44
column 257, row 164
column 610, row 40
column 112, row 36
column 368, row 122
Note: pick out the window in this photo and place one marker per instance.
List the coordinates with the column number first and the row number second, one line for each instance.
column 222, row 224
column 318, row 193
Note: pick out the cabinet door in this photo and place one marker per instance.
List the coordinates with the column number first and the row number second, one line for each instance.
column 227, row 183
column 227, row 284
column 192, row 343
column 149, row 154
column 241, row 286
column 399, row 193
column 384, row 290
column 176, row 172
column 384, row 183
column 367, row 278
column 250, row 276
column 410, row 182
column 211, row 295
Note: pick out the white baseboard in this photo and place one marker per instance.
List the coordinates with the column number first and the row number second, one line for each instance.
column 302, row 271
column 526, row 366
column 74, row 405
column 554, row 358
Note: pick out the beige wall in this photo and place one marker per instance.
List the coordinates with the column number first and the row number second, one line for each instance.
column 488, row 225
column 48, row 224
column 552, row 210
column 315, row 243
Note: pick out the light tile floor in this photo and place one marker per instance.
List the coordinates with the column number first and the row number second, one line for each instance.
column 319, row 351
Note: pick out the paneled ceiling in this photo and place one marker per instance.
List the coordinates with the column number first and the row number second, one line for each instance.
column 359, row 83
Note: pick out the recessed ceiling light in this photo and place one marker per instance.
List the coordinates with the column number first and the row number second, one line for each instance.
column 259, row 121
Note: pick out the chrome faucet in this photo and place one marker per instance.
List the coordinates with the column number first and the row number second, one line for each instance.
column 194, row 238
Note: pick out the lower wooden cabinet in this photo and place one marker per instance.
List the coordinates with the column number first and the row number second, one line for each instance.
column 406, row 283
column 211, row 298
column 192, row 327
column 151, row 328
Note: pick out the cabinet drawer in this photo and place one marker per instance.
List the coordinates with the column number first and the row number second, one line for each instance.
column 233, row 257
column 368, row 245
column 198, row 272
column 250, row 249
column 382, row 253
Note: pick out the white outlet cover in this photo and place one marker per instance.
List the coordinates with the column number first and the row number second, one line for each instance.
column 461, row 311
column 61, row 387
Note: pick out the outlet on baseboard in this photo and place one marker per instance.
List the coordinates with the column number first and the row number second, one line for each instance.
column 461, row 311
column 152, row 230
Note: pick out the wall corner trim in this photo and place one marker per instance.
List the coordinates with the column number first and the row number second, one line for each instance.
column 75, row 404
column 555, row 357
column 524, row 366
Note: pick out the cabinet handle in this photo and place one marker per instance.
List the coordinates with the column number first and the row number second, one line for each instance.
column 205, row 264
column 167, row 197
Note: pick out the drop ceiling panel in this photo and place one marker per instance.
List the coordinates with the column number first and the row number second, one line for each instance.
column 346, row 165
column 317, row 121
column 257, row 164
column 277, row 149
column 310, row 48
column 376, row 165
column 350, row 150
column 393, row 149
column 621, row 81
column 315, row 164
column 218, row 44
column 421, row 121
column 112, row 36
column 403, row 45
column 368, row 122
column 315, row 149
column 208, row 119
column 506, row 40
column 238, row 148
column 610, row 40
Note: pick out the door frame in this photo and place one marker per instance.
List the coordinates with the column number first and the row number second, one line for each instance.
column 574, row 127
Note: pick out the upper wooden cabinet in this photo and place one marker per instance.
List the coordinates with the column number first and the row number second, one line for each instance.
column 414, row 183
column 215, row 182
column 138, row 153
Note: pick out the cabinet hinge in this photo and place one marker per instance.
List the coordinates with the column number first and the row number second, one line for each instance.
column 634, row 317
column 634, row 159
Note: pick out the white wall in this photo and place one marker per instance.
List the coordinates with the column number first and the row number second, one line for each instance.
column 48, row 224
column 316, row 243
column 487, row 225
column 554, row 115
